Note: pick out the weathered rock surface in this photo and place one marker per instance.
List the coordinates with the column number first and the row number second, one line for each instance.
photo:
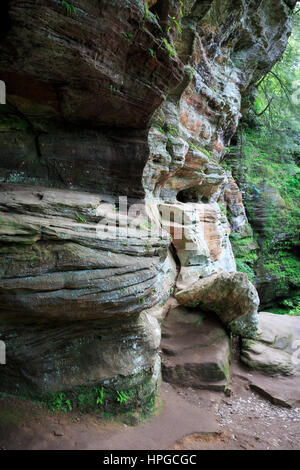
column 200, row 235
column 99, row 69
column 282, row 390
column 89, row 353
column 232, row 201
column 276, row 350
column 196, row 350
column 84, row 71
column 74, row 297
column 56, row 261
column 230, row 295
column 225, row 47
column 82, row 91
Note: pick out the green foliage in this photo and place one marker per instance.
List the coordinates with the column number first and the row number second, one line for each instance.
column 146, row 11
column 122, row 397
column 106, row 399
column 293, row 305
column 172, row 131
column 288, row 307
column 208, row 153
column 59, row 402
column 169, row 48
column 169, row 130
column 172, row 21
column 242, row 266
column 100, row 396
column 223, row 210
column 114, row 89
column 270, row 146
column 181, row 8
column 245, row 253
column 266, row 164
column 79, row 218
column 69, row 7
column 225, row 166
column 128, row 36
column 284, row 265
column 276, row 110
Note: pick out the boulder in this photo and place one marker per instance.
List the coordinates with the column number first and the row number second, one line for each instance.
column 276, row 350
column 230, row 295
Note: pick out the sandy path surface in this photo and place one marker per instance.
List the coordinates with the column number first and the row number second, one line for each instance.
column 187, row 419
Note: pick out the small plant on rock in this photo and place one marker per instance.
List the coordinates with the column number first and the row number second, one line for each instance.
column 169, row 48
column 69, row 7
column 114, row 89
column 122, row 397
column 172, row 21
column 100, row 396
column 79, row 218
column 127, row 35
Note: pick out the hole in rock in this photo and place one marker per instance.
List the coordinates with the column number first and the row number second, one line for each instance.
column 189, row 195
column 5, row 22
column 161, row 10
column 234, row 140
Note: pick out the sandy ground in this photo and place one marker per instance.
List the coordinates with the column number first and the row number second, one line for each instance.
column 247, row 421
column 185, row 419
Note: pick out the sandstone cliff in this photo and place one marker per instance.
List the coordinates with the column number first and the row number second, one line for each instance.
column 109, row 99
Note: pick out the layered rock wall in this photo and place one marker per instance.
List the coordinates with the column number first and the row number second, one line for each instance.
column 79, row 307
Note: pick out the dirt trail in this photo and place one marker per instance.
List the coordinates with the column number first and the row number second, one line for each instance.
column 26, row 425
column 189, row 419
column 247, row 421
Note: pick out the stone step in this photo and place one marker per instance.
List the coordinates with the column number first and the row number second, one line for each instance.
column 195, row 350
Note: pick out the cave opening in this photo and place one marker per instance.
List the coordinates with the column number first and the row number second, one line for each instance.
column 5, row 22
column 189, row 195
column 161, row 10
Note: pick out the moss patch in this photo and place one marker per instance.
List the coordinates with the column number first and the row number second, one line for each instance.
column 245, row 253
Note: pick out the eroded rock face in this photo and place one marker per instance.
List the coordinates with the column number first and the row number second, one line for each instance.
column 276, row 350
column 230, row 295
column 57, row 263
column 200, row 234
column 75, row 298
column 82, row 92
column 231, row 199
column 81, row 89
column 225, row 47
column 99, row 68
column 91, row 352
column 69, row 74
